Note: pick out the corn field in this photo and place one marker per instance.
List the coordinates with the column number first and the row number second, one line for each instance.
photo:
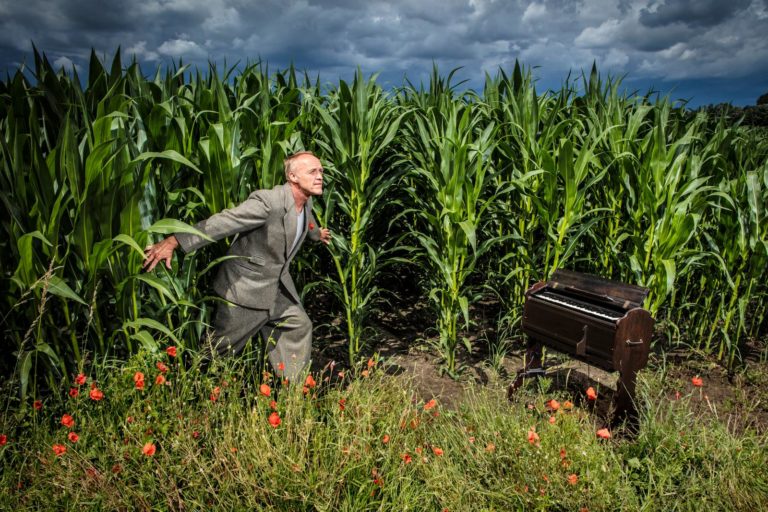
column 479, row 193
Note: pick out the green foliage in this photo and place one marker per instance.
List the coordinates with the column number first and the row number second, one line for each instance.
column 447, row 150
column 357, row 127
column 482, row 194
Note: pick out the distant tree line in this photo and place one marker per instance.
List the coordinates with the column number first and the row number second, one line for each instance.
column 751, row 115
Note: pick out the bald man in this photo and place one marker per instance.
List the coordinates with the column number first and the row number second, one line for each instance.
column 259, row 290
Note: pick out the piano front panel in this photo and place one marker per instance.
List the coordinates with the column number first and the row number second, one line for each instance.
column 562, row 328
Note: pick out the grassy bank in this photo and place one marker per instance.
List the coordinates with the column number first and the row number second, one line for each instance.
column 150, row 433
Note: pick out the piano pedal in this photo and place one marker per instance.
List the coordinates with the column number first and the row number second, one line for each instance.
column 532, row 373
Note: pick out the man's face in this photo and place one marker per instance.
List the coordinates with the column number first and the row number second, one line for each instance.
column 307, row 172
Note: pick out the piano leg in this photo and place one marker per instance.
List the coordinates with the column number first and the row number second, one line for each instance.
column 533, row 367
column 624, row 400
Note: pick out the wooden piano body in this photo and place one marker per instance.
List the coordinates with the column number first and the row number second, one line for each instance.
column 595, row 320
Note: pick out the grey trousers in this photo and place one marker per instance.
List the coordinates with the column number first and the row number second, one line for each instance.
column 286, row 329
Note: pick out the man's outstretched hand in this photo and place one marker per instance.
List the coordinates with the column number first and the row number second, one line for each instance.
column 161, row 251
column 325, row 235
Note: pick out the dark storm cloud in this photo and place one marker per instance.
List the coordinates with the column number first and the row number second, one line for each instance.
column 648, row 39
column 694, row 13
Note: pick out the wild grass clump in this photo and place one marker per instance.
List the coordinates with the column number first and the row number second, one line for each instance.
column 153, row 434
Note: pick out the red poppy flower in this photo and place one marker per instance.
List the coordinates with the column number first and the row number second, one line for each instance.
column 406, row 458
column 697, row 381
column 385, row 439
column 311, row 226
column 171, row 351
column 562, row 453
column 573, row 478
column 533, row 437
column 430, row 405
column 365, row 373
column 215, row 393
column 59, row 449
column 149, row 449
column 264, row 390
column 80, row 379
column 591, row 394
column 371, row 363
column 160, row 379
column 68, row 421
column 280, row 366
column 73, row 392
column 552, row 420
column 96, row 394
column 342, row 403
column 161, row 366
column 3, row 439
column 567, row 405
column 129, row 419
column 310, row 382
column 138, row 380
column 553, row 404
column 274, row 420
column 490, row 448
column 73, row 437
column 604, row 433
column 437, row 451
column 195, row 434
column 37, row 404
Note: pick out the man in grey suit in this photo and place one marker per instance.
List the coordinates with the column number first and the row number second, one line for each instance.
column 261, row 296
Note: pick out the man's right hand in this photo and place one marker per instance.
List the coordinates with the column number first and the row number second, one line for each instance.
column 161, row 251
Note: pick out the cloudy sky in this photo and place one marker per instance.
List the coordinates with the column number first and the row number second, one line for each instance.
column 705, row 51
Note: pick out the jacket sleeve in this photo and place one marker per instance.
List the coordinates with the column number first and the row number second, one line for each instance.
column 250, row 214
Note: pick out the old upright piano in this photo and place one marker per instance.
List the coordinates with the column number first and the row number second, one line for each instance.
column 595, row 320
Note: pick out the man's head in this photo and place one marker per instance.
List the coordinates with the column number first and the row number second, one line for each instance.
column 305, row 172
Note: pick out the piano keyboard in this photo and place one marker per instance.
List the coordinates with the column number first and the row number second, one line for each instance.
column 585, row 307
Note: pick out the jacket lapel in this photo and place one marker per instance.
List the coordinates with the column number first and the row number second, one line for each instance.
column 289, row 219
column 307, row 209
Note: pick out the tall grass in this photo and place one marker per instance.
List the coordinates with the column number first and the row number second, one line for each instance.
column 362, row 443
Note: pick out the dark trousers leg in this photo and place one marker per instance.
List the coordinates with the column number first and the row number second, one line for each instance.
column 233, row 326
column 288, row 335
column 287, row 331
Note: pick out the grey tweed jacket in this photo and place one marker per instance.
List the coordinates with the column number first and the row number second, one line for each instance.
column 266, row 222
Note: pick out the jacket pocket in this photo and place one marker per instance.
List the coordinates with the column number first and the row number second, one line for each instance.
column 257, row 260
column 253, row 263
